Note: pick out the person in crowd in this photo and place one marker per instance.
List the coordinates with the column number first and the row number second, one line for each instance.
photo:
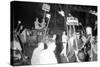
column 64, row 42
column 36, row 54
column 37, row 24
column 16, row 47
column 72, row 46
column 43, row 24
column 47, row 56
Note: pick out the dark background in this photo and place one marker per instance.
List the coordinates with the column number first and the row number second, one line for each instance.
column 27, row 12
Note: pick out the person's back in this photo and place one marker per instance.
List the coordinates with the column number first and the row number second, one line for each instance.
column 36, row 54
column 47, row 56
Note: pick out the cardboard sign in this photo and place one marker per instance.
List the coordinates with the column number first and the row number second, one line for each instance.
column 72, row 21
column 46, row 7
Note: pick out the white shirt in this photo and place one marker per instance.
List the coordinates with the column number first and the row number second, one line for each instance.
column 64, row 38
column 16, row 45
column 47, row 56
column 36, row 54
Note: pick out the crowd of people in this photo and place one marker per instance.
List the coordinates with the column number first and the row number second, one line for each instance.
column 67, row 47
column 40, row 45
